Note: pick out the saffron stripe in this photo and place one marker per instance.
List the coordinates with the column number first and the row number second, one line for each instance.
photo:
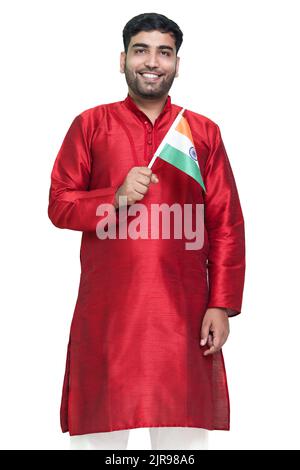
column 184, row 128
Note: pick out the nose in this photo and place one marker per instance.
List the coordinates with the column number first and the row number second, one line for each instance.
column 151, row 60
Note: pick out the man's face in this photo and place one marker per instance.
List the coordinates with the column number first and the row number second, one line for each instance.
column 150, row 51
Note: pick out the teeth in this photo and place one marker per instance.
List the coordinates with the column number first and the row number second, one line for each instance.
column 149, row 75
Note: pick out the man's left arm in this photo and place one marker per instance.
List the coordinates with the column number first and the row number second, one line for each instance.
column 224, row 223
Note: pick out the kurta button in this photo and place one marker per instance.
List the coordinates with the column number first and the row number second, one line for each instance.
column 149, row 142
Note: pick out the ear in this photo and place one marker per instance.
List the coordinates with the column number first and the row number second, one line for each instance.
column 177, row 66
column 122, row 61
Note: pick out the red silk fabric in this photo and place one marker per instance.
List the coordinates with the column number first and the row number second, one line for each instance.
column 133, row 357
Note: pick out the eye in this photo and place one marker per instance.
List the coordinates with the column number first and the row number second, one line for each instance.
column 165, row 52
column 139, row 50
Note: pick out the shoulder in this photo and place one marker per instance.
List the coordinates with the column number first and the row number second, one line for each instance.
column 203, row 128
column 200, row 120
column 91, row 118
column 96, row 112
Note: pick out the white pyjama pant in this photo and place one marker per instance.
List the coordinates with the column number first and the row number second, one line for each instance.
column 164, row 438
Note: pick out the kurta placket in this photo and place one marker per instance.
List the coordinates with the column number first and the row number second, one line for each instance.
column 133, row 357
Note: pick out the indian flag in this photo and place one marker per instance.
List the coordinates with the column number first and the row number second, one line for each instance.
column 177, row 148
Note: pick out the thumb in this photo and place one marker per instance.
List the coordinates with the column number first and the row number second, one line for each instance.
column 154, row 178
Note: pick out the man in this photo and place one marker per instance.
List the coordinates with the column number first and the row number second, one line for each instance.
column 134, row 356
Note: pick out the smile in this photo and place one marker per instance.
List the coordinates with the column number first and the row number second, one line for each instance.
column 150, row 76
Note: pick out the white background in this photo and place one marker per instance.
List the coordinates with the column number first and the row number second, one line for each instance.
column 239, row 66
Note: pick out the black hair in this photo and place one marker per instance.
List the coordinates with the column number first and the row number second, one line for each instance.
column 151, row 22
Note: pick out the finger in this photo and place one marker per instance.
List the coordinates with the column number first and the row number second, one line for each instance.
column 135, row 196
column 211, row 350
column 143, row 179
column 204, row 333
column 140, row 188
column 144, row 170
column 214, row 346
column 210, row 340
column 154, row 178
column 217, row 341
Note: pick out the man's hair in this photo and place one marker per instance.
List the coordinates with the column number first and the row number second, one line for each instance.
column 151, row 22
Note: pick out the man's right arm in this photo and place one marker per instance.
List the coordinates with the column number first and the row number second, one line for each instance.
column 71, row 204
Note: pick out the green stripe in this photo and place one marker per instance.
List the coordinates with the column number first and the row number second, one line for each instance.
column 182, row 161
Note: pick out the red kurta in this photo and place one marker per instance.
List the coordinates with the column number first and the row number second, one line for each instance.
column 134, row 358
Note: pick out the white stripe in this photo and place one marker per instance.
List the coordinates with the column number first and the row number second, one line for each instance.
column 161, row 145
column 181, row 142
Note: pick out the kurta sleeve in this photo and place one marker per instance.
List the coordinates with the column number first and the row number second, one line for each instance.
column 72, row 204
column 225, row 227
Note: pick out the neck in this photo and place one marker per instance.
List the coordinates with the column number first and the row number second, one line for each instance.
column 151, row 107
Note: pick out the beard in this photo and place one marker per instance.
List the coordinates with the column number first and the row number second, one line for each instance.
column 145, row 89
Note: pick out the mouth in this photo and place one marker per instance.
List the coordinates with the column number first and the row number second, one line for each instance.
column 151, row 77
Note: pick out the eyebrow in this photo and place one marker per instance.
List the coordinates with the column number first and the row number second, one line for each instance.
column 141, row 44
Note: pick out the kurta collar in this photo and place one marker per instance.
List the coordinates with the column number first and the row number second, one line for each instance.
column 130, row 103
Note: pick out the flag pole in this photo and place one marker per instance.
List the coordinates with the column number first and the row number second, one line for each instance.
column 174, row 124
